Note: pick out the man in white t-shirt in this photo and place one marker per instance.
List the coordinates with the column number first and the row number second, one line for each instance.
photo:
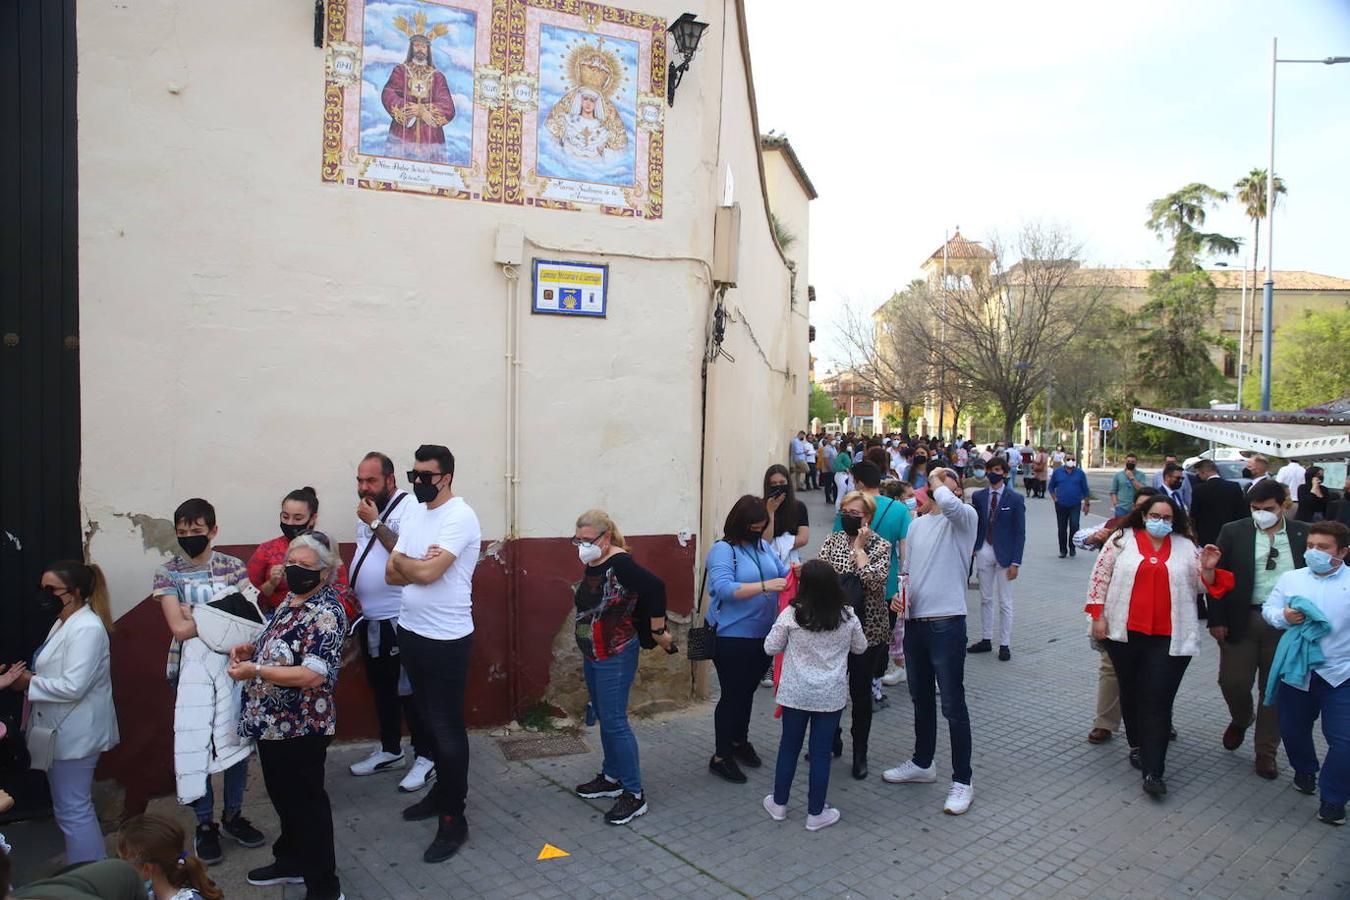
column 1292, row 475
column 433, row 560
column 379, row 514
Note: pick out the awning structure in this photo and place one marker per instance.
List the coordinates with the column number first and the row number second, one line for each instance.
column 1300, row 435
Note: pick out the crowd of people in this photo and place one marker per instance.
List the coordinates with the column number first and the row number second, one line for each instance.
column 257, row 646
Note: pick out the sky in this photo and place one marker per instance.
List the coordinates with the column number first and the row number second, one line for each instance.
column 914, row 118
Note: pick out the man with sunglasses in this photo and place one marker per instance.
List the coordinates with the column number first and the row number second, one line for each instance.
column 433, row 560
column 1257, row 550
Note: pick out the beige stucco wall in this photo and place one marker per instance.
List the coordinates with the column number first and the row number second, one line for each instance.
column 247, row 329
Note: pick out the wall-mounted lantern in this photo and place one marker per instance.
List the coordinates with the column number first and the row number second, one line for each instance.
column 687, row 31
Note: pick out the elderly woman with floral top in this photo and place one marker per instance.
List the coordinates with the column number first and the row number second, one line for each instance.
column 858, row 551
column 290, row 673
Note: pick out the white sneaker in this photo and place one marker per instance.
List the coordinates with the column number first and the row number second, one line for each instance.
column 766, row 681
column 958, row 799
column 895, row 676
column 828, row 816
column 776, row 812
column 423, row 771
column 908, row 773
column 379, row 761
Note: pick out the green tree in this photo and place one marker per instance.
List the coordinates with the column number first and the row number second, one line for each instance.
column 1313, row 364
column 1173, row 366
column 1180, row 216
column 821, row 405
column 1087, row 369
column 1251, row 193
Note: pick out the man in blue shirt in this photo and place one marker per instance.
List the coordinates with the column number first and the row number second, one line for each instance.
column 1325, row 689
column 1069, row 492
column 798, row 449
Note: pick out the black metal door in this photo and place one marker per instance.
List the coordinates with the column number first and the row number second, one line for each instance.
column 39, row 311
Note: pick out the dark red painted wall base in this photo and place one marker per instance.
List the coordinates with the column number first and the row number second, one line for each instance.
column 509, row 665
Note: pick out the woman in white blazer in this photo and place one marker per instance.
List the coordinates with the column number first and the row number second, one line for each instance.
column 70, row 689
column 1142, row 603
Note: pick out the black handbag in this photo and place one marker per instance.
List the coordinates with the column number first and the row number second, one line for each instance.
column 701, row 642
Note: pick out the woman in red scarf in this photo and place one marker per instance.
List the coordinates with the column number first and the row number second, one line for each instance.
column 1143, row 609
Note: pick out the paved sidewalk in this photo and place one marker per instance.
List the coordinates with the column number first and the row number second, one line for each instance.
column 1053, row 815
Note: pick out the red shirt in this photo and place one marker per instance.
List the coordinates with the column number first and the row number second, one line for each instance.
column 273, row 553
column 1151, row 597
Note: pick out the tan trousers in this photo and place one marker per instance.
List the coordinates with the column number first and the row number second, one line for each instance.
column 1239, row 664
column 1108, row 697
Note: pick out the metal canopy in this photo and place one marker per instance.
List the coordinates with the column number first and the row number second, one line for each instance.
column 1288, row 435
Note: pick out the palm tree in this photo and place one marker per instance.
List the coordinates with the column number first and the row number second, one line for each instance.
column 1251, row 193
column 1180, row 215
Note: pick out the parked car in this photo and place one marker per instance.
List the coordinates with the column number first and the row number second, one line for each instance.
column 1218, row 454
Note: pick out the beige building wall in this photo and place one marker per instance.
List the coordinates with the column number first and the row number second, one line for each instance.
column 247, row 329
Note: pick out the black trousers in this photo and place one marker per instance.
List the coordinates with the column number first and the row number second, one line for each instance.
column 382, row 673
column 439, row 672
column 1149, row 679
column 293, row 774
column 1066, row 524
column 862, row 668
column 740, row 664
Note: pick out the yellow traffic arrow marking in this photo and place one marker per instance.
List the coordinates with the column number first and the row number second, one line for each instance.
column 551, row 852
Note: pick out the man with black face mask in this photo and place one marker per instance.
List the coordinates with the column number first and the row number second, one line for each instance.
column 433, row 560
column 380, row 515
column 190, row 579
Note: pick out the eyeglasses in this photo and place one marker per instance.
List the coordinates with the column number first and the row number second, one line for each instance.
column 414, row 476
column 1270, row 559
column 1154, row 517
column 577, row 542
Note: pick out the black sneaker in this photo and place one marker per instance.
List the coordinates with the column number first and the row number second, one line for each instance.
column 629, row 807
column 421, row 810
column 1305, row 782
column 1004, row 653
column 1154, row 786
column 1073, row 551
column 1135, row 760
column 450, row 836
column 980, row 647
column 746, row 754
column 207, row 844
column 1332, row 813
column 599, row 786
column 274, row 874
column 242, row 830
column 727, row 768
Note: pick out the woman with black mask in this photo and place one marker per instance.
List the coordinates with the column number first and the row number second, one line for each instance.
column 1312, row 496
column 267, row 565
column 789, row 529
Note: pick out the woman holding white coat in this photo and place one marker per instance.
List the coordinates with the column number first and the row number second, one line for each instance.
column 70, row 689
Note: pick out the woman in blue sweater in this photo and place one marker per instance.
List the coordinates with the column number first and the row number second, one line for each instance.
column 744, row 578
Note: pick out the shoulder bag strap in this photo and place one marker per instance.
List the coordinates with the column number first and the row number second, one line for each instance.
column 373, row 539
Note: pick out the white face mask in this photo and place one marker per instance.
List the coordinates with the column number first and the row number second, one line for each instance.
column 1070, row 463
column 1264, row 518
column 588, row 552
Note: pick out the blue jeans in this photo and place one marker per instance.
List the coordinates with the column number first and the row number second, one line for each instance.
column 823, row 725
column 236, row 779
column 609, row 682
column 1298, row 711
column 935, row 654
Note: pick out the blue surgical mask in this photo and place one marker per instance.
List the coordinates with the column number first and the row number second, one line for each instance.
column 978, row 473
column 1159, row 528
column 1320, row 562
column 911, row 503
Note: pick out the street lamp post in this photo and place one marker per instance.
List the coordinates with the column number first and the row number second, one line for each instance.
column 1268, row 299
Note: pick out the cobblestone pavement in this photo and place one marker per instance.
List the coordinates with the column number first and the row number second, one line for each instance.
column 1053, row 816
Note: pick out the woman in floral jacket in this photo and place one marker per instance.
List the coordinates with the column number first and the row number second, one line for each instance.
column 290, row 674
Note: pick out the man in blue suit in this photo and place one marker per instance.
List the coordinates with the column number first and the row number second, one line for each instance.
column 998, row 554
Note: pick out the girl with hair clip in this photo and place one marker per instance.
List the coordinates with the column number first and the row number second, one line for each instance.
column 69, row 686
column 155, row 846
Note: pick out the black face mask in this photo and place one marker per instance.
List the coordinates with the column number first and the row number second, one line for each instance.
column 50, row 602
column 301, row 580
column 194, row 545
column 1130, row 466
column 995, row 477
column 425, row 493
column 852, row 525
column 294, row 531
